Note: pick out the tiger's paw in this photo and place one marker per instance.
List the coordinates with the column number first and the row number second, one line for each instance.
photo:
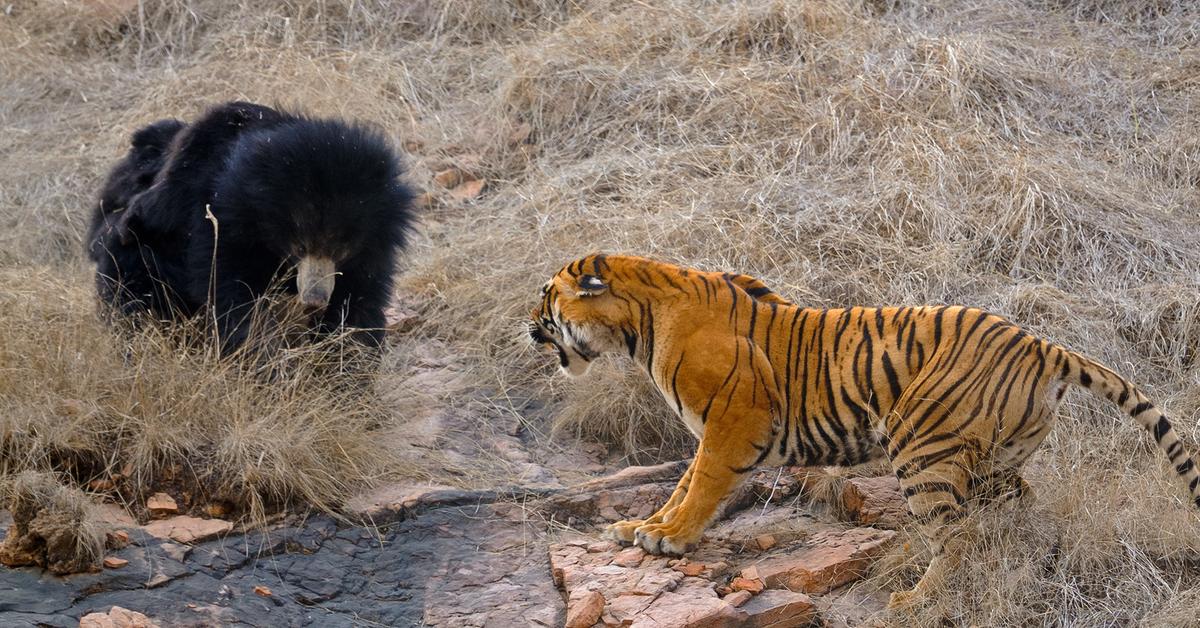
column 623, row 531
column 662, row 538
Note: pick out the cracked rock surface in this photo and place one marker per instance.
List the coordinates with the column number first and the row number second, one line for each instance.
column 517, row 556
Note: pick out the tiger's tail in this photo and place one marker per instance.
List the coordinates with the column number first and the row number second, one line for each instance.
column 1103, row 382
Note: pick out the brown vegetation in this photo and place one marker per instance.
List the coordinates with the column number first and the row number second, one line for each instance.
column 1034, row 157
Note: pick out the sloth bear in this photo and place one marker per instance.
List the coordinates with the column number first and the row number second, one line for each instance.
column 245, row 199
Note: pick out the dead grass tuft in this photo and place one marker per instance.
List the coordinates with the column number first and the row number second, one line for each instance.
column 54, row 526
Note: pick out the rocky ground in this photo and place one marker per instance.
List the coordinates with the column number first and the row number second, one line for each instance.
column 512, row 557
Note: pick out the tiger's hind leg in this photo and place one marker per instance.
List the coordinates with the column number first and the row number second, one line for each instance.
column 936, row 495
column 623, row 531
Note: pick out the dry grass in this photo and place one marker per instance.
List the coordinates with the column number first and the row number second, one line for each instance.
column 1036, row 158
column 54, row 526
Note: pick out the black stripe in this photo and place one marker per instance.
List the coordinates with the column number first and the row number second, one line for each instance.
column 1140, row 408
column 1161, row 428
column 1123, row 397
column 893, row 381
column 675, row 387
column 1185, row 466
column 1085, row 380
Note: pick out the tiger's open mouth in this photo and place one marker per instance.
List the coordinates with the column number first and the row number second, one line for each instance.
column 573, row 361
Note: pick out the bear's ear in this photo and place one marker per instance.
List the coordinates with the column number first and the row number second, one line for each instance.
column 590, row 285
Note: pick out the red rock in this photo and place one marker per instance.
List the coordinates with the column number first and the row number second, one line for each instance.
column 875, row 501
column 584, row 610
column 262, row 591
column 831, row 560
column 765, row 542
column 426, row 200
column 161, row 505
column 629, row 557
column 468, row 190
column 689, row 568
column 779, row 609
column 184, row 529
column 448, row 178
column 738, row 598
column 112, row 562
column 746, row 584
column 116, row 539
column 688, row 609
column 116, row 617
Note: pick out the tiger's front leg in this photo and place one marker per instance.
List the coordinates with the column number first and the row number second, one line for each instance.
column 714, row 475
column 737, row 430
column 623, row 531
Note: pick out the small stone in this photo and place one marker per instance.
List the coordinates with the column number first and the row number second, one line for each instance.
column 101, row 485
column 116, row 539
column 690, row 568
column 584, row 610
column 737, row 598
column 746, row 584
column 448, row 178
column 161, row 505
column 157, row 580
column 629, row 557
column 765, row 542
column 413, row 146
column 175, row 551
column 468, row 190
column 262, row 591
column 112, row 562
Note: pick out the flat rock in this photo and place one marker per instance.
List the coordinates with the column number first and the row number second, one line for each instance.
column 185, row 529
column 875, row 501
column 830, row 560
column 779, row 609
column 584, row 609
column 116, row 617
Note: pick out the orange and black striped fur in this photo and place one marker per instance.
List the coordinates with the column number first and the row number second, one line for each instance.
column 955, row 397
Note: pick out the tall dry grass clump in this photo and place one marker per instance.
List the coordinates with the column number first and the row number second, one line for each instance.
column 152, row 411
column 1037, row 158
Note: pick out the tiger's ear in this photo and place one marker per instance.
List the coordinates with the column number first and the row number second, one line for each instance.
column 591, row 285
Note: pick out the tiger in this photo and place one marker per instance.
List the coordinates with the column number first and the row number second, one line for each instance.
column 956, row 398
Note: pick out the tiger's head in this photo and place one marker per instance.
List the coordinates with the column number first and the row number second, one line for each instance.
column 580, row 316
